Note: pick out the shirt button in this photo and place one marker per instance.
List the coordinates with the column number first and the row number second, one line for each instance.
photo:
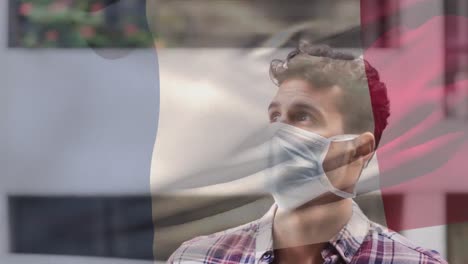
column 267, row 256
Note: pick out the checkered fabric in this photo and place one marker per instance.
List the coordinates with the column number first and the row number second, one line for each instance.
column 360, row 241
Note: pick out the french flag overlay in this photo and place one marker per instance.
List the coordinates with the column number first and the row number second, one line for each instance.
column 80, row 125
column 91, row 133
column 424, row 148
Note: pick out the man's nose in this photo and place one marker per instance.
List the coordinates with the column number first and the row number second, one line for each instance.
column 285, row 120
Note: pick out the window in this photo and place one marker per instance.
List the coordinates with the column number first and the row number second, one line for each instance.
column 387, row 17
column 457, row 227
column 88, row 226
column 78, row 23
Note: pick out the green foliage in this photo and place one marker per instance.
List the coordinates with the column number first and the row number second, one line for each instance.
column 78, row 23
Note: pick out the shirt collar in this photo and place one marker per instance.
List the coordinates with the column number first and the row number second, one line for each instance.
column 351, row 236
column 346, row 242
column 264, row 237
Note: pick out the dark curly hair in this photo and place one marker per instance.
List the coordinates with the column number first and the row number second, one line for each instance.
column 324, row 67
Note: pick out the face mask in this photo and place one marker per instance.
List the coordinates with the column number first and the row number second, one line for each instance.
column 281, row 160
column 297, row 175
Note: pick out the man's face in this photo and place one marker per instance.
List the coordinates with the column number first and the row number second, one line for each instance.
column 299, row 104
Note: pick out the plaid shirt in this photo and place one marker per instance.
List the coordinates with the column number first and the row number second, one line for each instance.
column 360, row 241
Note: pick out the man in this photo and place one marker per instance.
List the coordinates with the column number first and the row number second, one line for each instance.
column 338, row 101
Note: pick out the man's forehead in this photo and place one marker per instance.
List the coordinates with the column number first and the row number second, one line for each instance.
column 294, row 89
column 296, row 101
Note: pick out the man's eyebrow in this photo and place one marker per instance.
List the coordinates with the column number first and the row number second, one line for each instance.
column 308, row 106
column 304, row 106
column 273, row 105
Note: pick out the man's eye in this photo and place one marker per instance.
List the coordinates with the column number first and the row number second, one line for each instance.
column 274, row 117
column 301, row 117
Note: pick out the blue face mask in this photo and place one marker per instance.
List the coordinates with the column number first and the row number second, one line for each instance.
column 282, row 160
column 296, row 175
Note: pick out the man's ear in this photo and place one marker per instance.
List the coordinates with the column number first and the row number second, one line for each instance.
column 365, row 146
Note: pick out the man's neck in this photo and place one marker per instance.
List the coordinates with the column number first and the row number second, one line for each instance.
column 302, row 233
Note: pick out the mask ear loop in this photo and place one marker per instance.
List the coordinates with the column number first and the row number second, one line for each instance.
column 326, row 181
column 367, row 163
column 329, row 186
column 343, row 137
